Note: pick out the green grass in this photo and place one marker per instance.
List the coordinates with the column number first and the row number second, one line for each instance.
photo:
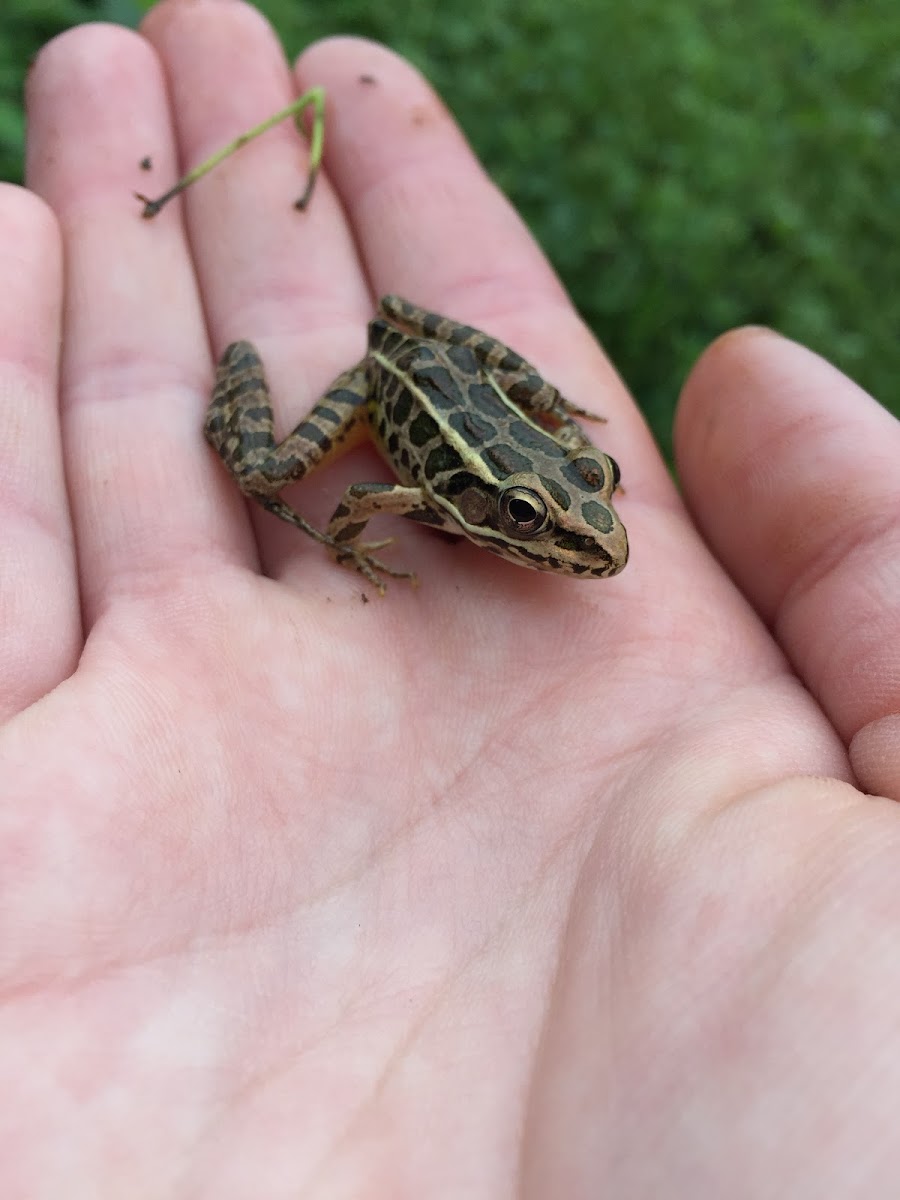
column 686, row 166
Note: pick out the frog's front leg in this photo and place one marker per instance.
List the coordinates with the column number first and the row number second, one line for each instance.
column 359, row 504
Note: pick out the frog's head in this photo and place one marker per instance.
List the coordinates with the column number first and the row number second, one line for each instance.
column 565, row 524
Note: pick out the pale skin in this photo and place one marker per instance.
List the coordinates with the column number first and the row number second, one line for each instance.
column 510, row 886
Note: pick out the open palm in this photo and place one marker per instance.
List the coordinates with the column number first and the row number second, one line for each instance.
column 508, row 885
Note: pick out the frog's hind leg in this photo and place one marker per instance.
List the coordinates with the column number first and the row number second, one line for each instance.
column 240, row 428
column 511, row 374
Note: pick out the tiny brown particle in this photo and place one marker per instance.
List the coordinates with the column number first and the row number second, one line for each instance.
column 368, row 79
column 146, row 163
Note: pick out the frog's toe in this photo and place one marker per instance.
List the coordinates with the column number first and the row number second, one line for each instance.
column 370, row 567
column 376, row 565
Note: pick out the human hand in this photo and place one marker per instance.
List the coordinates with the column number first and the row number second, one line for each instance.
column 511, row 885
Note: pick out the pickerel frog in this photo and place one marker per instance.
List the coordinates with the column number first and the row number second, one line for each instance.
column 482, row 446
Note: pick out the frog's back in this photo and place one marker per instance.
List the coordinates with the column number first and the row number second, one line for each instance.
column 435, row 414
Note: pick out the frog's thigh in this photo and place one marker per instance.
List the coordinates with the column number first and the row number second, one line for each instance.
column 240, row 427
column 514, row 376
column 362, row 501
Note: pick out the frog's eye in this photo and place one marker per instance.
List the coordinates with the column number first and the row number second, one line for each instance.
column 522, row 512
column 616, row 473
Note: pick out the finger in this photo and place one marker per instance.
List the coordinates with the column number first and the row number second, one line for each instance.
column 791, row 472
column 432, row 226
column 135, row 367
column 40, row 630
column 288, row 281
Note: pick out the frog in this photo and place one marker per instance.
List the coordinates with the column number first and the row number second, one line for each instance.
column 481, row 446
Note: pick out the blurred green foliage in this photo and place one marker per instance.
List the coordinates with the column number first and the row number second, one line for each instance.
column 687, row 166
